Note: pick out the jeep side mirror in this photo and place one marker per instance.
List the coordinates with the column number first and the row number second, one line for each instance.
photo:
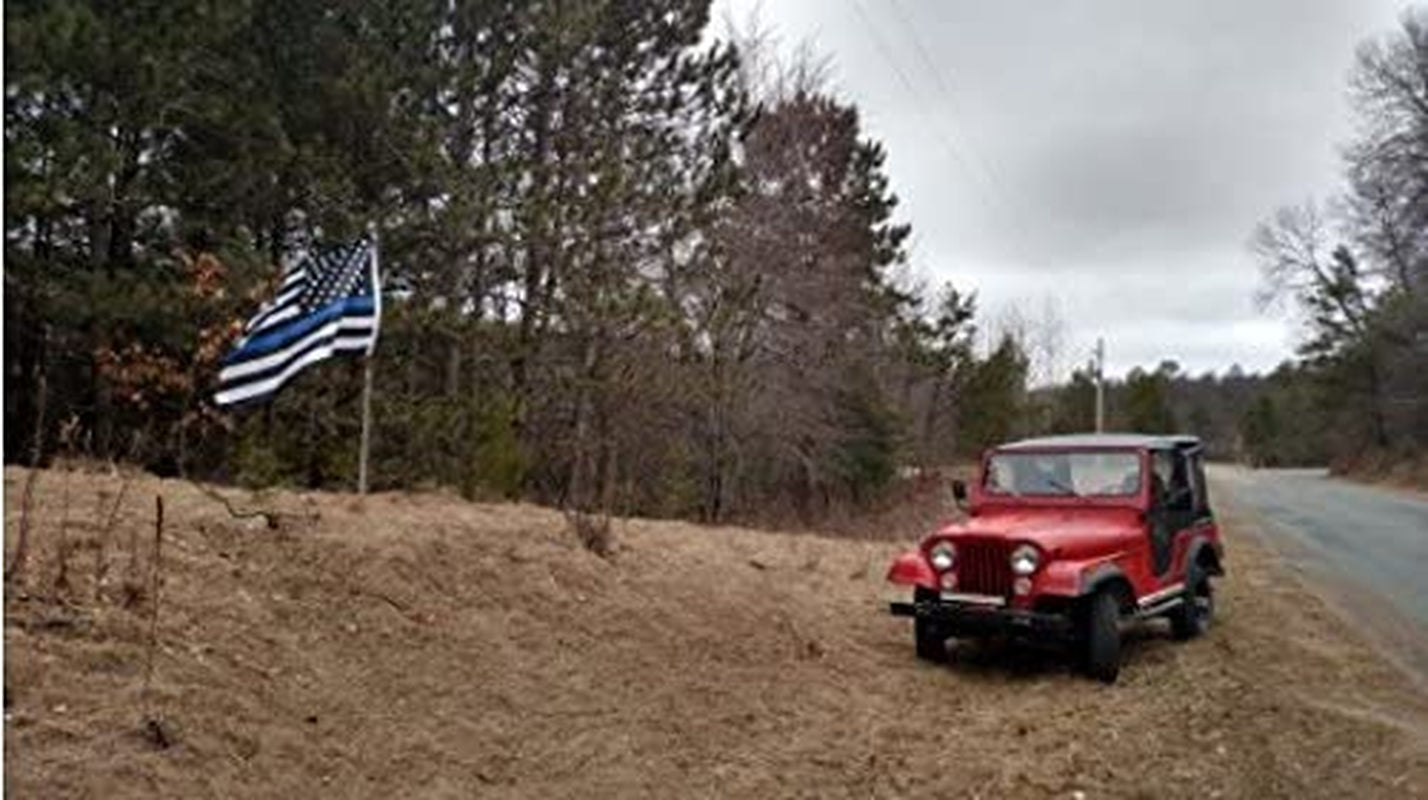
column 959, row 491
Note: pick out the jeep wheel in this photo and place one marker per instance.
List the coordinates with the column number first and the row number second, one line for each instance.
column 1101, row 637
column 931, row 642
column 1192, row 617
column 931, row 639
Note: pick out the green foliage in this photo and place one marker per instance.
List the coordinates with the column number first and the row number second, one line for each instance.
column 992, row 398
column 499, row 465
column 256, row 463
column 620, row 286
column 1074, row 405
column 1147, row 401
column 865, row 455
column 1259, row 430
column 1355, row 267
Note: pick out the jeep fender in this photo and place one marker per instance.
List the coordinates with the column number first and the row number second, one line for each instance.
column 1202, row 547
column 1076, row 578
column 911, row 569
column 1061, row 578
column 1104, row 575
column 1073, row 579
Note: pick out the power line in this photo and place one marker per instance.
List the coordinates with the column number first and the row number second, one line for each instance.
column 941, row 84
column 1000, row 189
column 985, row 180
column 885, row 52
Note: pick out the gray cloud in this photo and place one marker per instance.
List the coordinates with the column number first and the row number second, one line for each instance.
column 1110, row 154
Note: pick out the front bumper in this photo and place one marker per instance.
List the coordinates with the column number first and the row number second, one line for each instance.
column 979, row 619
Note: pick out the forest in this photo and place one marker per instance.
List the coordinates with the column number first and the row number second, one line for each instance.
column 1355, row 268
column 631, row 262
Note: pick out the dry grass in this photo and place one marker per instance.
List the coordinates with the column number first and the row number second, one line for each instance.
column 595, row 532
column 1399, row 472
column 419, row 646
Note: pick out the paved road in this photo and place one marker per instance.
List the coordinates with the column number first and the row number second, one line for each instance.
column 1375, row 540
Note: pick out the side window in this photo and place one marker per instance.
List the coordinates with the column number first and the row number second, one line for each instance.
column 1162, row 474
column 1182, row 494
column 1171, row 479
column 1181, row 490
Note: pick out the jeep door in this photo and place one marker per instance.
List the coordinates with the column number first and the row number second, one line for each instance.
column 1176, row 506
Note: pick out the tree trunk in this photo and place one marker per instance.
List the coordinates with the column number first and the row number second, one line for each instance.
column 16, row 567
column 536, row 250
column 1379, row 426
column 453, row 367
column 578, row 491
column 929, row 447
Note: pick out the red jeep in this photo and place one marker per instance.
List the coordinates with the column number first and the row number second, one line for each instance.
column 1068, row 537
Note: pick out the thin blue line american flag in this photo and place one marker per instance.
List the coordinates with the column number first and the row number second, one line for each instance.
column 329, row 303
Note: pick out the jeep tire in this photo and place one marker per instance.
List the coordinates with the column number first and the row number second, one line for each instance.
column 1101, row 637
column 1192, row 617
column 931, row 641
column 931, row 638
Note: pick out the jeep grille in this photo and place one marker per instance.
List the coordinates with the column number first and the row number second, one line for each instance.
column 983, row 568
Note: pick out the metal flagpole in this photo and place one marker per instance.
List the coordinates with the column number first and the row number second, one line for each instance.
column 367, row 367
column 366, row 425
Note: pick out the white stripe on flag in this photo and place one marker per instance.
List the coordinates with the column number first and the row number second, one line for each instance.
column 296, row 276
column 248, row 391
column 272, row 318
column 353, row 344
column 289, row 294
column 283, row 300
column 273, row 359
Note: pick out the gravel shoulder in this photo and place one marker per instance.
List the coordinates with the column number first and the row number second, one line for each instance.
column 420, row 646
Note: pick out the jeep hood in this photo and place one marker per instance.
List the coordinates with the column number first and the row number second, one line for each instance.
column 1062, row 531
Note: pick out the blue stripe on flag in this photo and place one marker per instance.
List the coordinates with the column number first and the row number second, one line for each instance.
column 268, row 342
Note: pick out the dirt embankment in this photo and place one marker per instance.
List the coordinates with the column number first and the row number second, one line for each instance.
column 424, row 647
column 1403, row 472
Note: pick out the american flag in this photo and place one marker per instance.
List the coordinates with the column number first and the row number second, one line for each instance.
column 329, row 303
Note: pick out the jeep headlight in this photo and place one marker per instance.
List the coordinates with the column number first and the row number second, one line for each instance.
column 943, row 556
column 1025, row 559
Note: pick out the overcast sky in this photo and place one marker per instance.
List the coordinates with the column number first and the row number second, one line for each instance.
column 1107, row 157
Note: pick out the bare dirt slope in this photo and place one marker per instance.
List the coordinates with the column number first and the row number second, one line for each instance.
column 426, row 647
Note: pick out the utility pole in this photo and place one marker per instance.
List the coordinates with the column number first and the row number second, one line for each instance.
column 1100, row 385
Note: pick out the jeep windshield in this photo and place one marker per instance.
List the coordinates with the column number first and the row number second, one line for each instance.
column 1064, row 474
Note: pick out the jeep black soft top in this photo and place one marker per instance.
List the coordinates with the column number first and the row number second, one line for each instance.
column 1092, row 441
